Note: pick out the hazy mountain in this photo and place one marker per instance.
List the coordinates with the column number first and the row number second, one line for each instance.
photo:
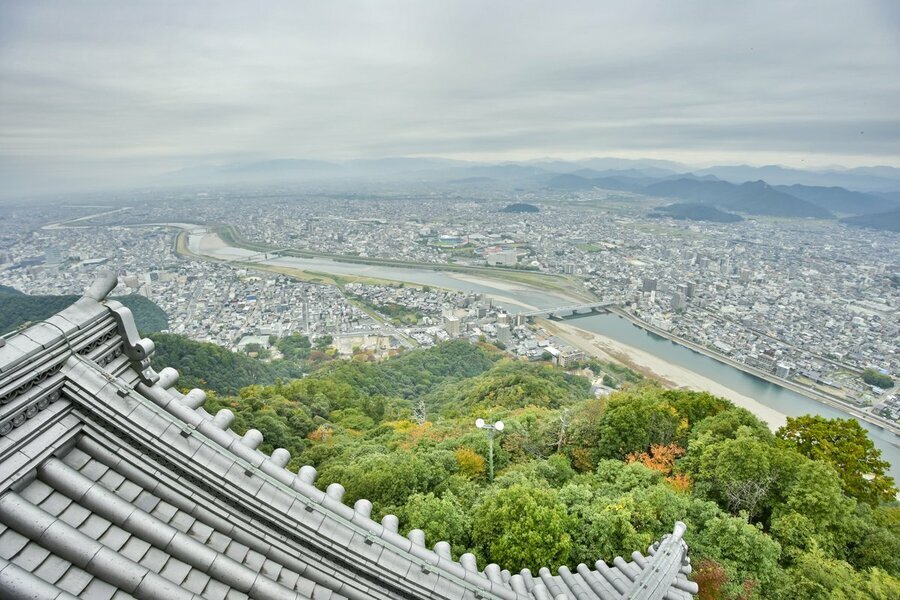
column 752, row 197
column 504, row 171
column 696, row 212
column 759, row 198
column 888, row 221
column 472, row 180
column 862, row 178
column 660, row 168
column 694, row 189
column 619, row 174
column 840, row 200
column 570, row 181
column 613, row 166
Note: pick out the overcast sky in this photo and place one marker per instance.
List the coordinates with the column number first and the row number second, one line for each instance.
column 127, row 89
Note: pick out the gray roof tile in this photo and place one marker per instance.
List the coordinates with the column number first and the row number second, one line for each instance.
column 175, row 570
column 182, row 521
column 134, row 549
column 95, row 526
column 154, row 559
column 111, row 480
column 31, row 556
column 288, row 578
column 164, row 511
column 218, row 541
column 195, row 581
column 76, row 459
column 236, row 551
column 36, row 492
column 128, row 491
column 55, row 503
column 74, row 580
column 271, row 569
column 11, row 542
column 74, row 515
column 114, row 538
column 200, row 531
column 93, row 469
column 98, row 590
column 254, row 560
column 52, row 569
column 215, row 590
column 146, row 501
column 233, row 594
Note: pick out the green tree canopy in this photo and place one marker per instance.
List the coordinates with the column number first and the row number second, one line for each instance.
column 522, row 527
column 441, row 518
column 843, row 444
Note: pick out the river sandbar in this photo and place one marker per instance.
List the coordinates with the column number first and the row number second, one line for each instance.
column 669, row 375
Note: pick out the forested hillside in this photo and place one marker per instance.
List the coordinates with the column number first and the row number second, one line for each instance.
column 212, row 367
column 17, row 309
column 804, row 513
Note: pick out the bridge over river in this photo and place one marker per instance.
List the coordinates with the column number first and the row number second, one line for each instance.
column 562, row 312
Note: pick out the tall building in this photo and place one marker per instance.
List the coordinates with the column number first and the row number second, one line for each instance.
column 452, row 326
column 54, row 256
column 503, row 333
column 115, row 484
column 648, row 285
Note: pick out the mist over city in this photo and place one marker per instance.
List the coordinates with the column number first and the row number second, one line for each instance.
column 450, row 300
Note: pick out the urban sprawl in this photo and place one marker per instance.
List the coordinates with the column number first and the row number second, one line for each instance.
column 806, row 301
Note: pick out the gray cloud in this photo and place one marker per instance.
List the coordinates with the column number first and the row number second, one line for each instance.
column 120, row 90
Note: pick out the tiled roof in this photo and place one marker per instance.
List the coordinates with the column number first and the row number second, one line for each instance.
column 115, row 485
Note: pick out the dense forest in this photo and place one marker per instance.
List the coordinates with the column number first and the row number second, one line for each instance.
column 215, row 368
column 806, row 512
column 17, row 309
column 873, row 377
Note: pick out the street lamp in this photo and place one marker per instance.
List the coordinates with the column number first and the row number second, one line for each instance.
column 489, row 430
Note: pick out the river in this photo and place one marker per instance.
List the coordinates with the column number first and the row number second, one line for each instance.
column 774, row 396
column 515, row 297
column 510, row 295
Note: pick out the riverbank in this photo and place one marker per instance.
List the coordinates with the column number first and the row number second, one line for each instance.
column 844, row 407
column 560, row 285
column 669, row 375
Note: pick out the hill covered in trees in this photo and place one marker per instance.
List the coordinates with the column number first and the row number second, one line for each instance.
column 212, row 367
column 806, row 512
column 521, row 207
column 17, row 308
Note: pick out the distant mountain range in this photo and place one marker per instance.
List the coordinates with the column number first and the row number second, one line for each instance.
column 868, row 179
column 839, row 200
column 752, row 197
column 770, row 190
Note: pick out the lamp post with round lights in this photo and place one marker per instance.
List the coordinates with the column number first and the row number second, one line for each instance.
column 489, row 429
